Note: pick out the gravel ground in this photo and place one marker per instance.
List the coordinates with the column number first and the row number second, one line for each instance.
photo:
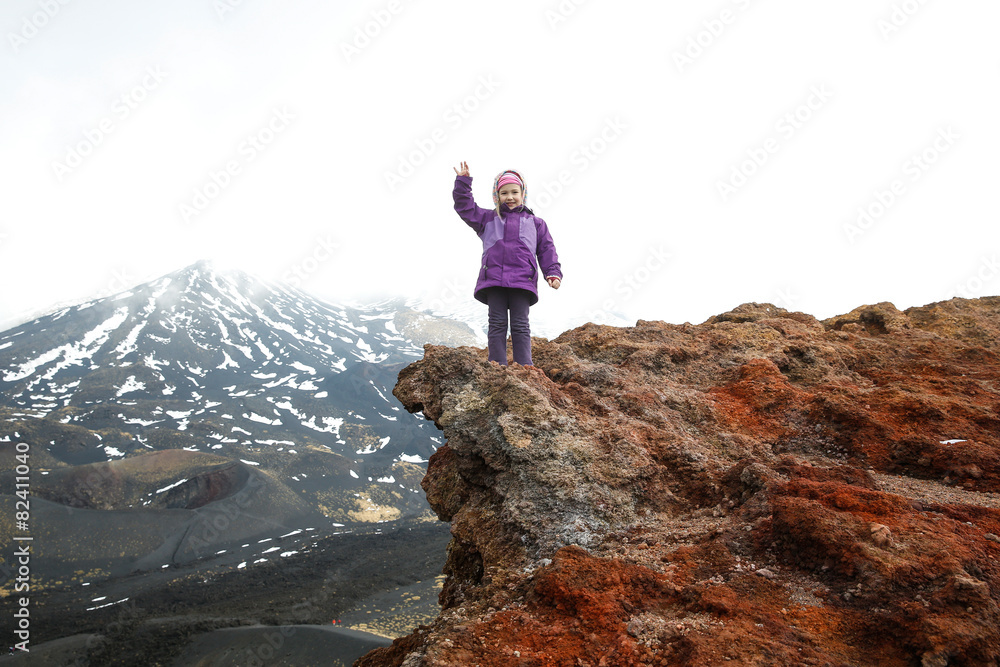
column 930, row 491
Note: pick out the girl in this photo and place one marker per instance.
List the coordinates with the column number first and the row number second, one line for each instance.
column 512, row 238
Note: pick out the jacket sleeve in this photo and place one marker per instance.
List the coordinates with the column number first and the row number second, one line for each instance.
column 548, row 259
column 465, row 205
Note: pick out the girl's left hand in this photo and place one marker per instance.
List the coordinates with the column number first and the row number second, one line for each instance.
column 553, row 282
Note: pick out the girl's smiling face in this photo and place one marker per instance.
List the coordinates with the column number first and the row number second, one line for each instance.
column 511, row 195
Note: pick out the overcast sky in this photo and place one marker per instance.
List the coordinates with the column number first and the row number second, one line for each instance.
column 687, row 156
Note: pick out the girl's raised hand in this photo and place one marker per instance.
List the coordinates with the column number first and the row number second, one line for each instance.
column 465, row 169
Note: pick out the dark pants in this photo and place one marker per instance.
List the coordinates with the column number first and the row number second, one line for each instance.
column 515, row 302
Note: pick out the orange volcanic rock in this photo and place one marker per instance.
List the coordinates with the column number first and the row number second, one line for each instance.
column 760, row 489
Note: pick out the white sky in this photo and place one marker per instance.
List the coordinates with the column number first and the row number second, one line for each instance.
column 157, row 97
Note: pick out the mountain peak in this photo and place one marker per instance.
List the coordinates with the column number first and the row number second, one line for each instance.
column 203, row 354
column 760, row 484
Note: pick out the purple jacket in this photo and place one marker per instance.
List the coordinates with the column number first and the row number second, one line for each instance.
column 510, row 244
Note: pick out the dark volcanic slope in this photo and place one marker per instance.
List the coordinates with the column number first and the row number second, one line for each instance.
column 205, row 610
column 760, row 489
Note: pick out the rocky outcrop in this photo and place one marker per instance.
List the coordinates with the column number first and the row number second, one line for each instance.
column 760, row 489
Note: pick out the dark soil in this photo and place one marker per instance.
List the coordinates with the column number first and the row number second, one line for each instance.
column 166, row 610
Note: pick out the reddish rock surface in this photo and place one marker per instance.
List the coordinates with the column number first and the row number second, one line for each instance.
column 760, row 489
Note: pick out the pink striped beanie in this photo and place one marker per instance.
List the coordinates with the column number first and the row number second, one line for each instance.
column 505, row 178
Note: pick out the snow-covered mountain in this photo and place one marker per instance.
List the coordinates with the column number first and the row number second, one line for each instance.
column 224, row 364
